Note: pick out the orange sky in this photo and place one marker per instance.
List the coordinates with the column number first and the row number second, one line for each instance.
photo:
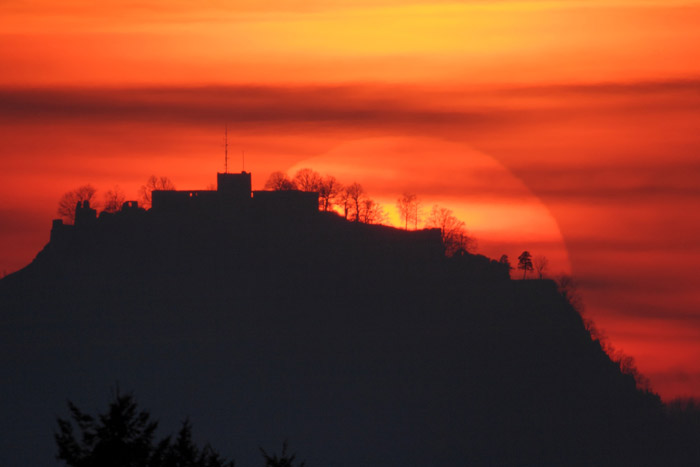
column 569, row 128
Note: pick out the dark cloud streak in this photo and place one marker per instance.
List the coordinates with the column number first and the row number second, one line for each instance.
column 246, row 104
column 352, row 104
column 636, row 88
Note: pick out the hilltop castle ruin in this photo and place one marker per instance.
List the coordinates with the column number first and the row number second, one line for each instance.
column 233, row 196
column 235, row 217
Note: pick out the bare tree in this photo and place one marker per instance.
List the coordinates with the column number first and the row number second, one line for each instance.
column 343, row 199
column 355, row 194
column 409, row 208
column 541, row 263
column 69, row 201
column 525, row 262
column 443, row 219
column 307, row 180
column 452, row 231
column 113, row 200
column 278, row 181
column 371, row 212
column 328, row 190
column 154, row 183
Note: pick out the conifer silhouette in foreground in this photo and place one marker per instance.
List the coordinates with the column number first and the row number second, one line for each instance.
column 285, row 460
column 124, row 436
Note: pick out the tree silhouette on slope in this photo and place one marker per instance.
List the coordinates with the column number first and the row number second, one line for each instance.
column 525, row 262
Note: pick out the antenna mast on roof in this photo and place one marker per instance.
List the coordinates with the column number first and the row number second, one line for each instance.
column 243, row 160
column 226, row 148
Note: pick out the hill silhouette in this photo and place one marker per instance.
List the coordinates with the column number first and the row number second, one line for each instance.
column 362, row 344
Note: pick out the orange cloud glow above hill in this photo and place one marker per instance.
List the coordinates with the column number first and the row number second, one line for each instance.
column 568, row 128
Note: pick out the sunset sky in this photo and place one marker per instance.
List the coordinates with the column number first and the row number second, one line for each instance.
column 567, row 128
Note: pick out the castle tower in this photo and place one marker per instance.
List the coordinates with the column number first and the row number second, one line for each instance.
column 85, row 216
column 234, row 186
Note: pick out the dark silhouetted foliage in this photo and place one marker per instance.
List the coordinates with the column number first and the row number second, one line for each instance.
column 307, row 180
column 525, row 262
column 124, row 437
column 328, row 190
column 568, row 288
column 409, row 209
column 278, row 181
column 452, row 230
column 371, row 212
column 541, row 263
column 113, row 200
column 354, row 194
column 284, row 460
column 505, row 262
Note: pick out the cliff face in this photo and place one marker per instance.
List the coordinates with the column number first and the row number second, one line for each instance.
column 361, row 344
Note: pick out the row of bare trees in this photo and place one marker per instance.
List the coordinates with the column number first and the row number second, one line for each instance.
column 352, row 200
column 354, row 204
column 452, row 230
column 112, row 200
